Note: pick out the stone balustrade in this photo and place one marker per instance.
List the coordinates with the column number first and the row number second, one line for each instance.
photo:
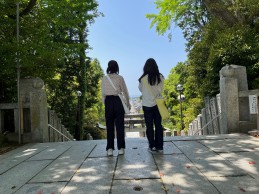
column 34, row 116
column 229, row 111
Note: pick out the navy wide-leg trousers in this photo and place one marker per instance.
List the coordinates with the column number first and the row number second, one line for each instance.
column 152, row 116
column 114, row 116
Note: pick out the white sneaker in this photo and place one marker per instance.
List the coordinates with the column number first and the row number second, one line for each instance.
column 152, row 150
column 110, row 152
column 121, row 151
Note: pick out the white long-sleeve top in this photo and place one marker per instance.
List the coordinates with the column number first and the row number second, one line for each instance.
column 148, row 98
column 119, row 83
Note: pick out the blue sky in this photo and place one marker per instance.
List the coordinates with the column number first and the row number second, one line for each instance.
column 124, row 35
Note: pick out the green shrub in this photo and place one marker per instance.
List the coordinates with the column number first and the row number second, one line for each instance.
column 95, row 132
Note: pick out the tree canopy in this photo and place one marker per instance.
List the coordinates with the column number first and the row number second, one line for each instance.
column 52, row 45
column 218, row 33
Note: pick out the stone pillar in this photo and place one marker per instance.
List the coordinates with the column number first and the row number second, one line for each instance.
column 204, row 122
column 54, row 125
column 229, row 100
column 208, row 115
column 59, row 129
column 190, row 129
column 39, row 112
column 219, row 112
column 167, row 133
column 69, row 135
column 199, row 124
column 1, row 121
column 16, row 121
column 62, row 130
column 195, row 126
column 214, row 114
column 239, row 72
column 51, row 122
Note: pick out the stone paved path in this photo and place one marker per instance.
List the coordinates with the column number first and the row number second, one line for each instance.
column 201, row 164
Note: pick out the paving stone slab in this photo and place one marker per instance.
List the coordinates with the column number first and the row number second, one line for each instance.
column 86, row 189
column 16, row 177
column 247, row 161
column 52, row 152
column 15, row 151
column 179, row 175
column 133, row 143
column 218, row 168
column 42, row 188
column 232, row 145
column 208, row 162
column 198, row 169
column 16, row 158
column 141, row 186
column 64, row 167
column 234, row 185
column 99, row 151
column 137, row 163
column 93, row 177
column 196, row 151
column 170, row 148
column 204, row 137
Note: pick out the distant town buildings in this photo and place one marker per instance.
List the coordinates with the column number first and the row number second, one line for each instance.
column 136, row 105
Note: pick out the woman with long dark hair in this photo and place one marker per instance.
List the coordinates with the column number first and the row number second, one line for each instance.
column 114, row 111
column 151, row 85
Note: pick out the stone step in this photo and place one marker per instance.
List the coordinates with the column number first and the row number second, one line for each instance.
column 245, row 126
column 14, row 137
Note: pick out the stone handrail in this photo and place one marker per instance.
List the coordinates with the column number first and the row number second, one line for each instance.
column 210, row 122
column 51, row 127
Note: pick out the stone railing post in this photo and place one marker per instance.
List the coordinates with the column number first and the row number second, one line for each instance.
column 232, row 80
column 214, row 114
column 208, row 115
column 204, row 122
column 39, row 112
column 199, row 121
column 1, row 121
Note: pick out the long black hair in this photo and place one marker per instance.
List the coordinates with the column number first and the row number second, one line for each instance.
column 151, row 69
column 113, row 67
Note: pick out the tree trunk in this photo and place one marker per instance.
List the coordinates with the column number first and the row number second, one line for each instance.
column 28, row 8
column 220, row 11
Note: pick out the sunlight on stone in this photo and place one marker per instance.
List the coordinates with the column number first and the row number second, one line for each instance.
column 58, row 176
column 87, row 170
column 248, row 167
column 64, row 157
column 199, row 151
column 86, row 179
column 71, row 189
column 214, row 158
column 134, row 166
column 29, row 150
column 181, row 178
column 220, row 165
column 52, row 150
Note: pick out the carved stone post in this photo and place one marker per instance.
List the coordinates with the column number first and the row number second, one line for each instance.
column 230, row 84
column 39, row 112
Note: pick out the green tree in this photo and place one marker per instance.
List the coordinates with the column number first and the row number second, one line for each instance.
column 218, row 33
column 53, row 44
column 177, row 76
